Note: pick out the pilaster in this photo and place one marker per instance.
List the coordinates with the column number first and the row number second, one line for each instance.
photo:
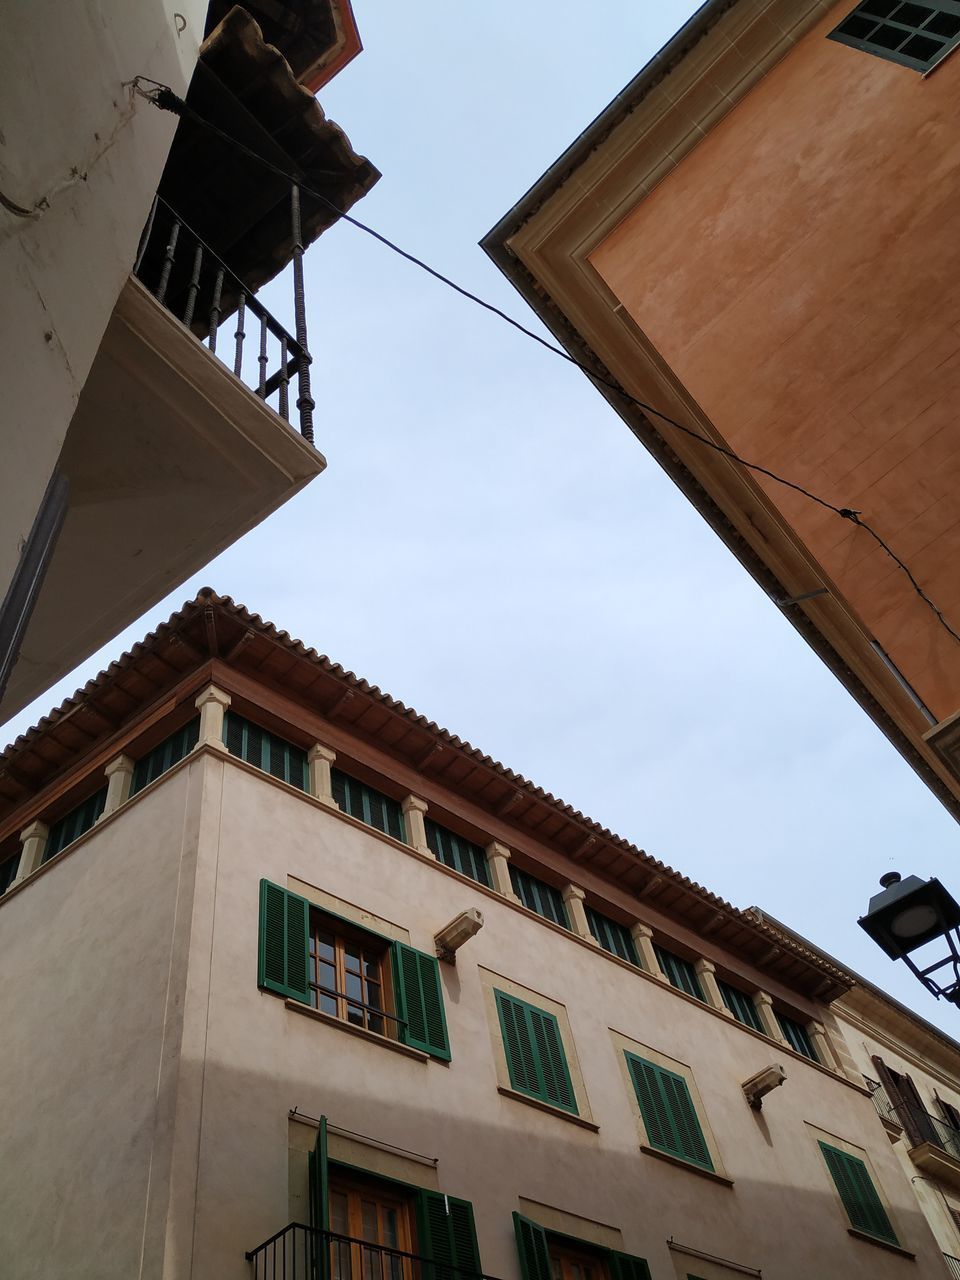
column 413, row 809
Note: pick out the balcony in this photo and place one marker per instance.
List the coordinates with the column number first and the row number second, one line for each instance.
column 195, row 421
column 935, row 1144
column 186, row 277
column 299, row 1252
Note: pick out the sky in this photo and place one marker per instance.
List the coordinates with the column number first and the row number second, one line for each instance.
column 492, row 546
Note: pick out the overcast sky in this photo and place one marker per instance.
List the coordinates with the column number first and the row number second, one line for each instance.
column 491, row 545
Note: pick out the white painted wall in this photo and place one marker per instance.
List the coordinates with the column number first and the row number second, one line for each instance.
column 84, row 155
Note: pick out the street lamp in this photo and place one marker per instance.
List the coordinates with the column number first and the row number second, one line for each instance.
column 907, row 915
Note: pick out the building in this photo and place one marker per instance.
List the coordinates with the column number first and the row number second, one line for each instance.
column 145, row 432
column 281, row 951
column 756, row 238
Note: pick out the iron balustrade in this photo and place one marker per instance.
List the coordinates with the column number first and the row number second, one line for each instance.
column 915, row 1119
column 299, row 1252
column 881, row 1100
column 185, row 275
column 953, row 1265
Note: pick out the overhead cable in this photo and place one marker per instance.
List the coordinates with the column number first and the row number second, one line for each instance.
column 162, row 96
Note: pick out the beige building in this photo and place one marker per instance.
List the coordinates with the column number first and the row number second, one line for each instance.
column 154, row 410
column 281, row 951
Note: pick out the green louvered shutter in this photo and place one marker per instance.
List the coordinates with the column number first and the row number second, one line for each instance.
column 283, row 952
column 448, row 1236
column 859, row 1195
column 319, row 1203
column 533, row 1048
column 557, row 1087
column 624, row 1266
column 518, row 1044
column 416, row 982
column 532, row 1248
column 668, row 1113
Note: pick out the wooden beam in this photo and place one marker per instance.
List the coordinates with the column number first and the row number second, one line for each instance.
column 714, row 923
column 508, row 802
column 210, row 628
column 768, row 957
column 652, row 887
column 344, row 697
column 428, row 756
column 242, row 643
column 577, row 853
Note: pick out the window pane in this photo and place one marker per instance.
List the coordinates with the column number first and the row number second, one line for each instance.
column 369, row 1217
column 355, row 1015
column 328, row 1004
column 338, row 1213
column 325, row 946
column 354, row 986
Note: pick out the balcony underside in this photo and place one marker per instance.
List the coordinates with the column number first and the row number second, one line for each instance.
column 937, row 1163
column 170, row 459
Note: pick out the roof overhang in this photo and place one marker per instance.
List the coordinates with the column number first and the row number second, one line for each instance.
column 543, row 245
column 212, row 637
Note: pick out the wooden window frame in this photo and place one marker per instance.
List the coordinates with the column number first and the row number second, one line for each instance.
column 343, row 934
column 376, row 808
column 836, row 1158
column 294, row 767
column 868, row 20
column 531, row 1076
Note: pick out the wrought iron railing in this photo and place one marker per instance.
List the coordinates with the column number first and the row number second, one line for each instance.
column 185, row 275
column 299, row 1252
column 953, row 1265
column 881, row 1100
column 915, row 1119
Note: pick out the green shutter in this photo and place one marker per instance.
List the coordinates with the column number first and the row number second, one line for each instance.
column 416, row 983
column 624, row 1266
column 319, row 1202
column 532, row 1248
column 533, row 1048
column 668, row 1113
column 448, row 1235
column 283, row 952
column 517, row 1044
column 860, row 1199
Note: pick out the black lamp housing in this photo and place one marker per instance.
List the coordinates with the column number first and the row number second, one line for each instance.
column 909, row 914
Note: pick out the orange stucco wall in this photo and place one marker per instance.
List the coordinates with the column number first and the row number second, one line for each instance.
column 798, row 271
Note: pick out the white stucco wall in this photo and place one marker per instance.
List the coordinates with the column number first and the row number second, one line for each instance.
column 84, row 156
column 262, row 1059
column 91, row 1005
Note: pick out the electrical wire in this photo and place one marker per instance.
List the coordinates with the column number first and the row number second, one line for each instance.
column 162, row 96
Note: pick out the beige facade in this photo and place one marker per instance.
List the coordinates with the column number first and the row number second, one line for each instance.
column 159, row 1102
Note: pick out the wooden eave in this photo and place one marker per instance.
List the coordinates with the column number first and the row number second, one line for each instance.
column 212, row 630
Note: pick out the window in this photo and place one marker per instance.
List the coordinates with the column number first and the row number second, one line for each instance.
column 667, row 1112
column 915, row 35
column 950, row 1112
column 546, row 1256
column 334, row 966
column 797, row 1037
column 679, row 973
column 533, row 1048
column 370, row 806
column 860, row 1199
column 273, row 755
column 347, row 976
column 73, row 824
column 8, row 871
column 165, row 756
column 453, row 851
column 613, row 937
column 387, row 1215
column 740, row 1005
column 536, row 896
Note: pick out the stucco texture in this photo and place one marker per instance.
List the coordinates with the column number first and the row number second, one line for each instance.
column 263, row 1058
column 797, row 272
